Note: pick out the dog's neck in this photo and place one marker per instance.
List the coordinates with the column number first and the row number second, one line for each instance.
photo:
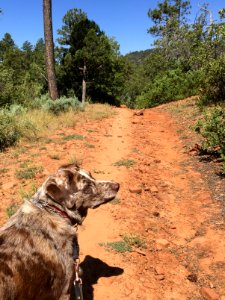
column 51, row 206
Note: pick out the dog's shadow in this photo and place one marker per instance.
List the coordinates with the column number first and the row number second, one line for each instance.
column 93, row 269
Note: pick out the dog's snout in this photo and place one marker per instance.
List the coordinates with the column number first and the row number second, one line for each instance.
column 115, row 186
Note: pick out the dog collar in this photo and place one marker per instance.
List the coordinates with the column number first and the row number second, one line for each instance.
column 59, row 211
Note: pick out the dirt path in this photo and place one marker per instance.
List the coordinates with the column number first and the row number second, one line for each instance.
column 163, row 203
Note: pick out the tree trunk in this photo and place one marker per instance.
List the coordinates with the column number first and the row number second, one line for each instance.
column 49, row 50
column 84, row 84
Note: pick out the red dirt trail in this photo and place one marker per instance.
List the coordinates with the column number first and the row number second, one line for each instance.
column 163, row 200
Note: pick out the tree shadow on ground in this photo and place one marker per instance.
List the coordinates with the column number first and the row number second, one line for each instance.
column 93, row 269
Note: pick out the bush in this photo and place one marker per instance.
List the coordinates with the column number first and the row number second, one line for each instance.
column 213, row 89
column 212, row 128
column 62, row 104
column 9, row 131
column 173, row 85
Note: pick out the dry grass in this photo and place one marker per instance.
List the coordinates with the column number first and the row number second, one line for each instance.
column 38, row 124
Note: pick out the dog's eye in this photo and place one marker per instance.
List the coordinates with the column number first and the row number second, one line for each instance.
column 89, row 187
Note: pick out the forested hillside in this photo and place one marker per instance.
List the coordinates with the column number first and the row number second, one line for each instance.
column 187, row 58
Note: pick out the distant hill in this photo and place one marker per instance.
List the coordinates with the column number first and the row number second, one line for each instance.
column 138, row 56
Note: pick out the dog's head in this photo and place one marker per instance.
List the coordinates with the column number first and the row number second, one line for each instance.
column 76, row 190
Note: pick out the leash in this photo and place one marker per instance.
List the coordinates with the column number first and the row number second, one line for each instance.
column 77, row 284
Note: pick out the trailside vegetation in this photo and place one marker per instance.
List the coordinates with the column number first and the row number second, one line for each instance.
column 187, row 58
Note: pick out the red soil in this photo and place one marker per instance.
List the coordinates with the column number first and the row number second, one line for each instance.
column 164, row 200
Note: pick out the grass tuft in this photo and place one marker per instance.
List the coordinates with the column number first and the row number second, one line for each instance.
column 11, row 210
column 124, row 162
column 27, row 172
column 127, row 244
column 73, row 137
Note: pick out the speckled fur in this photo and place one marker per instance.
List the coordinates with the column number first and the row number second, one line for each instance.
column 36, row 245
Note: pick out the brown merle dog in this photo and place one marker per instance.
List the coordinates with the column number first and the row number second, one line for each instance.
column 36, row 245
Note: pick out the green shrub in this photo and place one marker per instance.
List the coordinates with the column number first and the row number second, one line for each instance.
column 16, row 109
column 62, row 104
column 212, row 128
column 213, row 88
column 173, row 85
column 127, row 244
column 9, row 131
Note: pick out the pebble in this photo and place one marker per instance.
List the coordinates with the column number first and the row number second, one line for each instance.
column 135, row 190
column 161, row 243
column 209, row 294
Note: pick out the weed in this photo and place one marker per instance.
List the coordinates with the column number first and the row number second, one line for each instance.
column 90, row 130
column 43, row 148
column 127, row 244
column 135, row 241
column 17, row 152
column 9, row 130
column 124, row 162
column 11, row 210
column 28, row 172
column 73, row 137
column 90, row 146
column 99, row 111
column 120, row 246
column 75, row 160
column 28, row 194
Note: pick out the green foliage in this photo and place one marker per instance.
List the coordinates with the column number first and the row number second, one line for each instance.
column 172, row 85
column 124, row 162
column 60, row 105
column 9, row 131
column 28, row 172
column 127, row 244
column 27, row 194
column 22, row 72
column 213, row 88
column 212, row 128
column 11, row 210
column 73, row 137
column 89, row 56
column 119, row 246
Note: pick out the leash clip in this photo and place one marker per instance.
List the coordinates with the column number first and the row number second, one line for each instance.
column 78, row 282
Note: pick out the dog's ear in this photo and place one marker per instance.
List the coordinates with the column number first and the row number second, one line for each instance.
column 54, row 191
column 61, row 186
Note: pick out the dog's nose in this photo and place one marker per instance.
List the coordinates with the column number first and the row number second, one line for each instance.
column 115, row 186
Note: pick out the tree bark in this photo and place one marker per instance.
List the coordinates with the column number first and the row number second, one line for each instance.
column 49, row 50
column 84, row 84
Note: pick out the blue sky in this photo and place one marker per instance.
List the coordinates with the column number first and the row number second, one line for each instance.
column 126, row 20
